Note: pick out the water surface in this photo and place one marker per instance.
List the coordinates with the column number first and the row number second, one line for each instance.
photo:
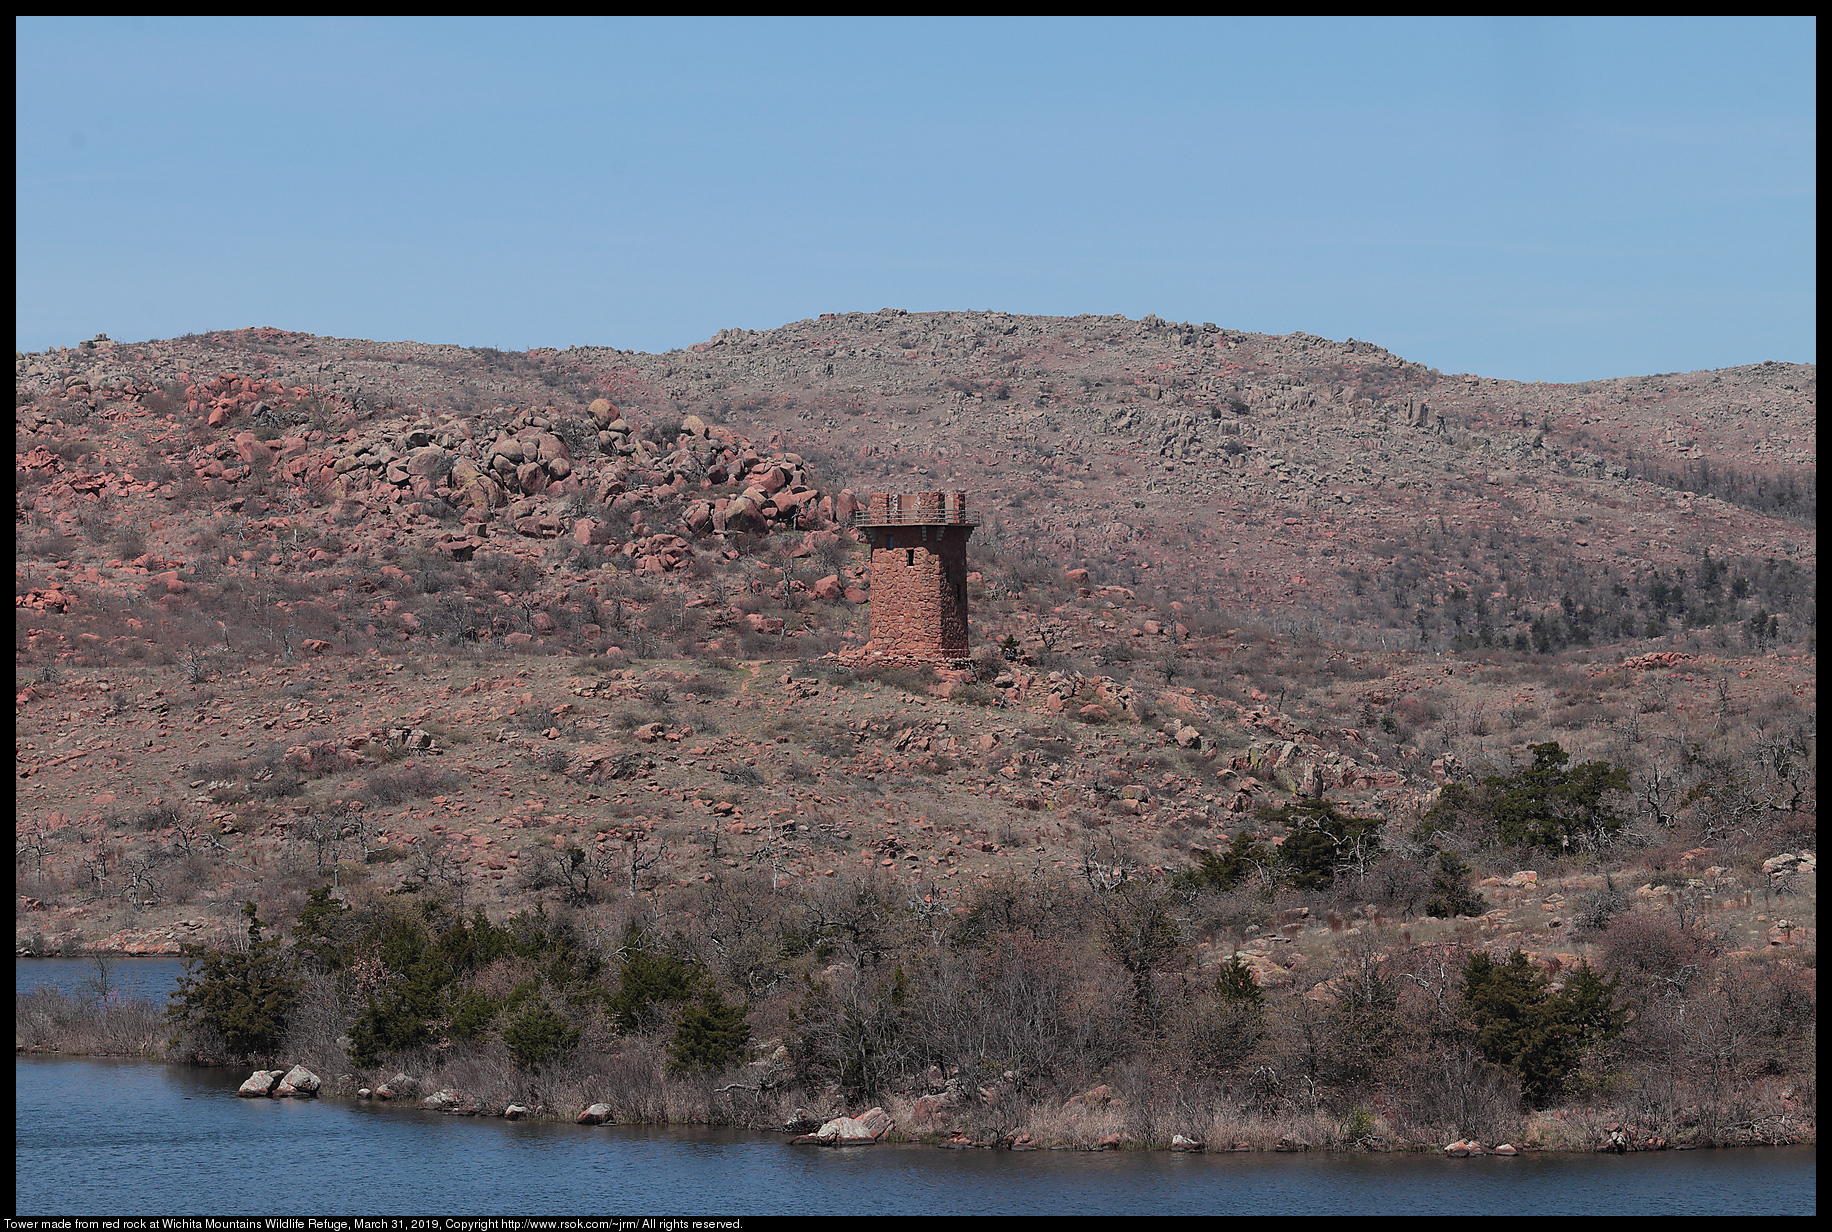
column 144, row 979
column 133, row 1137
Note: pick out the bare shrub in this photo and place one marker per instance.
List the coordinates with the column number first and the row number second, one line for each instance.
column 1451, row 1092
column 1650, row 950
column 388, row 787
column 47, row 1020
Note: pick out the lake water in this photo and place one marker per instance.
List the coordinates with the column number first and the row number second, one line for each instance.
column 122, row 1137
column 148, row 979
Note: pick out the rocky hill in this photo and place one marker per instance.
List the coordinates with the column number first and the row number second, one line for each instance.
column 434, row 615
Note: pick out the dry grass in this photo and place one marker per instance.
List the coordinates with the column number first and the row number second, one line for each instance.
column 47, row 1020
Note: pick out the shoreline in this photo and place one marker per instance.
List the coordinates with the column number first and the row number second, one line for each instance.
column 1622, row 1138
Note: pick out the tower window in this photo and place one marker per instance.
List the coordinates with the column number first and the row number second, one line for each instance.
column 909, row 556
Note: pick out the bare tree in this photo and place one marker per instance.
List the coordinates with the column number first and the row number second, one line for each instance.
column 439, row 864
column 139, row 888
column 1105, row 873
column 100, row 982
column 642, row 858
column 325, row 834
column 1655, row 792
column 35, row 843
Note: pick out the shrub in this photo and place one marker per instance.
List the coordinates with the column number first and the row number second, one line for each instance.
column 1550, row 807
column 1216, row 1034
column 1538, row 1034
column 1651, row 949
column 974, row 695
column 539, row 1036
column 1595, row 910
column 1451, row 894
column 243, row 998
column 1245, row 856
column 388, row 787
column 915, row 679
column 160, row 817
column 710, row 1035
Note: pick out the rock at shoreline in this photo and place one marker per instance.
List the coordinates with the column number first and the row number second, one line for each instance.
column 299, row 1082
column 260, row 1084
column 596, row 1114
column 1179, row 1143
column 439, row 1101
column 515, row 1112
column 398, row 1087
column 867, row 1127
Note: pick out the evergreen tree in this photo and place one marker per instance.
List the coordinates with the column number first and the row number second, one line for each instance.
column 647, row 979
column 1549, row 806
column 246, row 998
column 1322, row 841
column 1538, row 1034
column 539, row 1036
column 320, row 932
column 1451, row 894
column 402, row 1011
column 1245, row 856
column 710, row 1035
column 1235, row 982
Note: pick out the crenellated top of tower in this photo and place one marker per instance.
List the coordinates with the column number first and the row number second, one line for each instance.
column 917, row 509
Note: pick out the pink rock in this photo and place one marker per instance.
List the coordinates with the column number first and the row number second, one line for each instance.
column 260, row 1084
column 867, row 1127
column 929, row 1111
column 588, row 532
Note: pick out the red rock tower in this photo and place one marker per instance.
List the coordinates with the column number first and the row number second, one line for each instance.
column 918, row 573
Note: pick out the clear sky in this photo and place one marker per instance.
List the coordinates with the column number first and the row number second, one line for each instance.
column 1535, row 199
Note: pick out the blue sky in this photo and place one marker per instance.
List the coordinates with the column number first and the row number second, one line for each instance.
column 1552, row 200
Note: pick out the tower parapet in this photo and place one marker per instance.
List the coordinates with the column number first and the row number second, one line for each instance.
column 917, row 509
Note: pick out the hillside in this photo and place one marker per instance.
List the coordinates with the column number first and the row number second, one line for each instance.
column 431, row 619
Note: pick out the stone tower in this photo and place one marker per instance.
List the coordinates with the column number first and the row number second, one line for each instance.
column 918, row 573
